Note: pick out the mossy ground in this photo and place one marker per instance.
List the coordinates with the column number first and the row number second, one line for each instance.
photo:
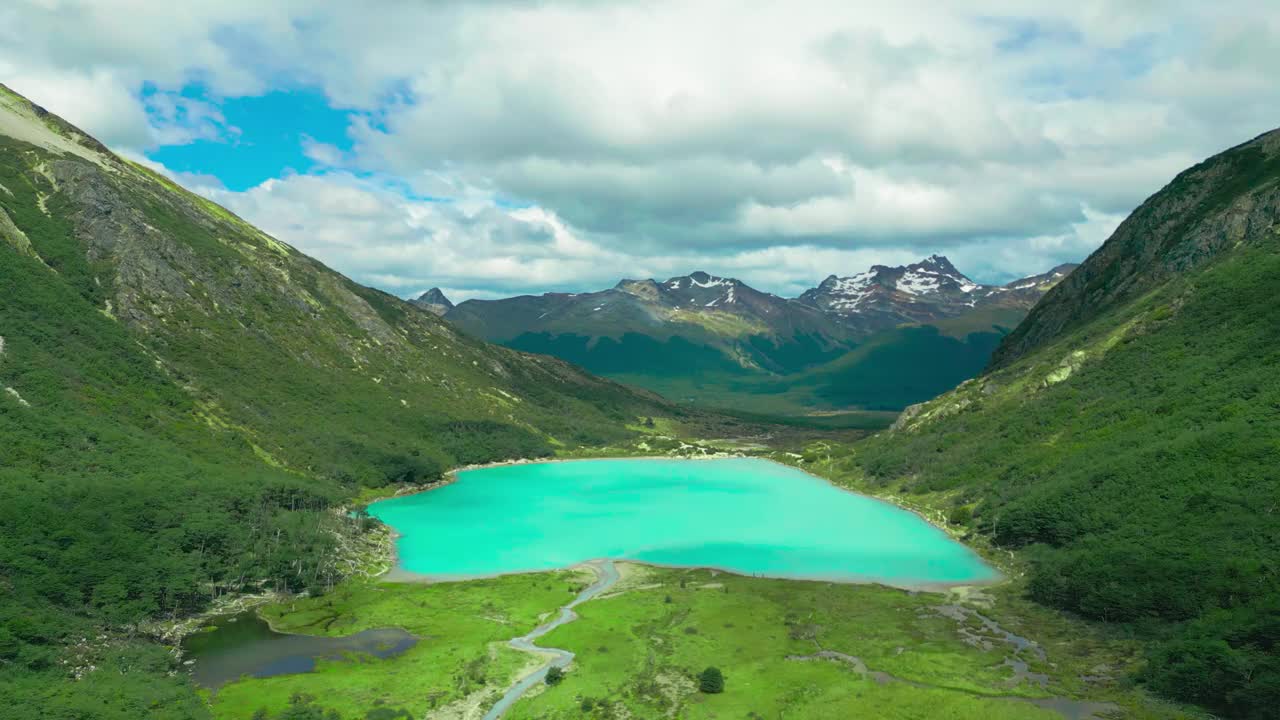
column 640, row 646
column 463, row 628
column 639, row 651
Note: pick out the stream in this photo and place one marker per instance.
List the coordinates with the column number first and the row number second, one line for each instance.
column 607, row 576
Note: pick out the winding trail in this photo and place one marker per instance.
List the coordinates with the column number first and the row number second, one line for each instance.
column 607, row 576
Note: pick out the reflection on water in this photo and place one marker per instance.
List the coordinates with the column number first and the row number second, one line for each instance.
column 245, row 645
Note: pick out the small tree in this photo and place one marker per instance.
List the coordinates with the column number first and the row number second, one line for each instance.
column 554, row 675
column 711, row 681
column 960, row 515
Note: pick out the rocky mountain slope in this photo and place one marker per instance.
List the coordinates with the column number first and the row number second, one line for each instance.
column 185, row 400
column 704, row 338
column 434, row 300
column 1127, row 435
column 1205, row 211
column 921, row 293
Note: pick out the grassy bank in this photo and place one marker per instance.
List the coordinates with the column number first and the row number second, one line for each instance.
column 888, row 653
column 901, row 654
column 461, row 659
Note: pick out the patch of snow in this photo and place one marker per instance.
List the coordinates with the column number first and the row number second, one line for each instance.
column 674, row 285
column 853, row 284
column 710, row 283
column 598, row 307
column 917, row 283
column 847, row 293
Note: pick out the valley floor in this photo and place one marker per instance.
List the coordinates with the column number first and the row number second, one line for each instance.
column 788, row 649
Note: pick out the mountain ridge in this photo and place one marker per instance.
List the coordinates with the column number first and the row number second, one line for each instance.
column 925, row 291
column 694, row 336
column 1188, row 218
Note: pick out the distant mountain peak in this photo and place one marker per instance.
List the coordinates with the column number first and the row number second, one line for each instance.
column 647, row 289
column 699, row 279
column 435, row 301
column 924, row 291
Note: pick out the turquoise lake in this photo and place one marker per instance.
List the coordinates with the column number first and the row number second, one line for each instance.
column 742, row 515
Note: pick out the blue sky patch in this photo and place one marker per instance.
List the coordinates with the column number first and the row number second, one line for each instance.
column 267, row 141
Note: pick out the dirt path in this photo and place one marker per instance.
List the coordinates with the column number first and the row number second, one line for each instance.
column 607, row 576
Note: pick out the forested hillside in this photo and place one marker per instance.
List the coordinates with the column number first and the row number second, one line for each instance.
column 1128, row 438
column 184, row 402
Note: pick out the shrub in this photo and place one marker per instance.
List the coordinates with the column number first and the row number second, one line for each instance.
column 711, row 681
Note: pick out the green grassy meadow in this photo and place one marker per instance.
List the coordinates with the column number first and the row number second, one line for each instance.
column 463, row 628
column 641, row 645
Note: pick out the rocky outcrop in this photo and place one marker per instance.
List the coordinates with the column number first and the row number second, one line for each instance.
column 433, row 301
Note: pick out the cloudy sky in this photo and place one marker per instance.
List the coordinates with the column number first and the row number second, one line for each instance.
column 495, row 148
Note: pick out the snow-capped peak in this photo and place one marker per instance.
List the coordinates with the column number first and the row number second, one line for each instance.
column 703, row 280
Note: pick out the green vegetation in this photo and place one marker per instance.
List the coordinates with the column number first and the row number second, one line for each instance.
column 887, row 372
column 823, row 650
column 631, row 353
column 711, row 681
column 1126, row 440
column 117, row 503
column 1134, row 464
column 189, row 408
column 461, row 661
column 186, row 404
column 305, row 707
column 899, row 367
column 554, row 675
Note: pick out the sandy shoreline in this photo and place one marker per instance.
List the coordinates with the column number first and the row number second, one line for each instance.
column 398, row 574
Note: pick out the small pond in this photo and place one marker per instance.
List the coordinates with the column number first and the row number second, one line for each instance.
column 244, row 644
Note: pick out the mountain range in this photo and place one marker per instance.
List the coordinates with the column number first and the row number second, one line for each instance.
column 717, row 331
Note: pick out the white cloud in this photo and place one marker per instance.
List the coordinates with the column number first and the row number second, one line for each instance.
column 775, row 140
column 475, row 248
